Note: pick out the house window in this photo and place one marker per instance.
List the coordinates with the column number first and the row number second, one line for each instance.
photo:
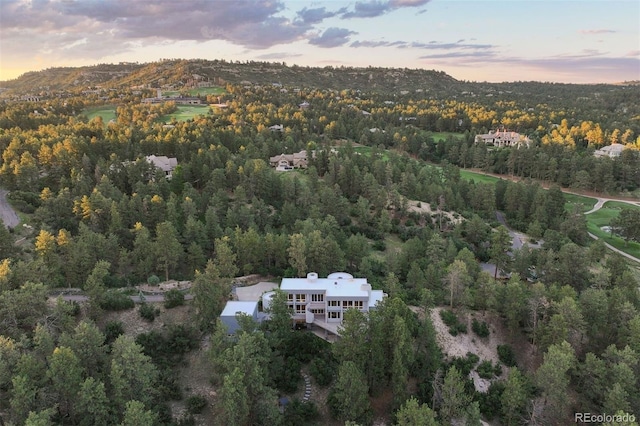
column 334, row 315
column 290, row 297
column 317, row 297
column 347, row 304
column 358, row 304
column 334, row 303
column 301, row 298
column 301, row 309
column 317, row 311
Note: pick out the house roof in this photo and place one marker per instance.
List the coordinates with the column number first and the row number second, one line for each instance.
column 234, row 307
column 336, row 285
column 165, row 163
column 614, row 147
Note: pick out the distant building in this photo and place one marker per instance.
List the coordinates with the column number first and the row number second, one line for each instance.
column 276, row 128
column 503, row 139
column 166, row 164
column 612, row 151
column 285, row 162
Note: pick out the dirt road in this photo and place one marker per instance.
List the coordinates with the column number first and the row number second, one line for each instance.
column 8, row 215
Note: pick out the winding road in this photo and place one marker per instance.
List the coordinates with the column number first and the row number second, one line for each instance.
column 600, row 202
column 598, row 206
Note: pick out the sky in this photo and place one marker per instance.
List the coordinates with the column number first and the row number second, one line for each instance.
column 578, row 41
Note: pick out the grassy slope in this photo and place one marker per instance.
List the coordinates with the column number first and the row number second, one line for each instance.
column 202, row 91
column 602, row 217
column 443, row 136
column 584, row 203
column 186, row 112
column 477, row 177
column 107, row 112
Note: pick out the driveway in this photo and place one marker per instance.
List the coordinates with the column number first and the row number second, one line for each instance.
column 8, row 215
column 147, row 298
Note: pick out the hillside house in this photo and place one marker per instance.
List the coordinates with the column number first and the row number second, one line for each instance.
column 285, row 162
column 322, row 302
column 166, row 164
column 503, row 139
column 612, row 151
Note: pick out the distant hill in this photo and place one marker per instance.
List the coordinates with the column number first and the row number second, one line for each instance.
column 191, row 72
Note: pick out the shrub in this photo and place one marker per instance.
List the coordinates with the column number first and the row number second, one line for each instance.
column 480, row 328
column 186, row 420
column 451, row 319
column 112, row 330
column 497, row 370
column 379, row 245
column 148, row 312
column 153, row 280
column 195, row 404
column 323, row 371
column 465, row 365
column 448, row 317
column 506, row 355
column 490, row 401
column 300, row 413
column 173, row 298
column 485, row 370
column 116, row 301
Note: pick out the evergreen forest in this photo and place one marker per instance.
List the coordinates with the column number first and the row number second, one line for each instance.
column 395, row 190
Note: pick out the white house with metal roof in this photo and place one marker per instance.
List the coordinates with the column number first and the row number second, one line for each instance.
column 323, row 301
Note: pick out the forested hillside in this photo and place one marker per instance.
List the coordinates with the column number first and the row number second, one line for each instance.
column 381, row 146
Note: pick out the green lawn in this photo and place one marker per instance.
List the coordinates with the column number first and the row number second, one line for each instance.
column 366, row 150
column 107, row 112
column 477, row 177
column 443, row 136
column 394, row 246
column 186, row 112
column 584, row 203
column 202, row 91
column 602, row 217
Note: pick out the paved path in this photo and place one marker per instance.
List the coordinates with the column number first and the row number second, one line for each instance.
column 609, row 246
column 602, row 200
column 517, row 239
column 597, row 207
column 8, row 215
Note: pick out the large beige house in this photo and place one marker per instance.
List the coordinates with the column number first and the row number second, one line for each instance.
column 612, row 151
column 284, row 162
column 503, row 139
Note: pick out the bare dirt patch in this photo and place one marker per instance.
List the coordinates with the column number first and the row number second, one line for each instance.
column 458, row 346
column 134, row 325
column 485, row 347
column 425, row 208
column 195, row 379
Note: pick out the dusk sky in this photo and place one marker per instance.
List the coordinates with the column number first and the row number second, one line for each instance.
column 581, row 41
